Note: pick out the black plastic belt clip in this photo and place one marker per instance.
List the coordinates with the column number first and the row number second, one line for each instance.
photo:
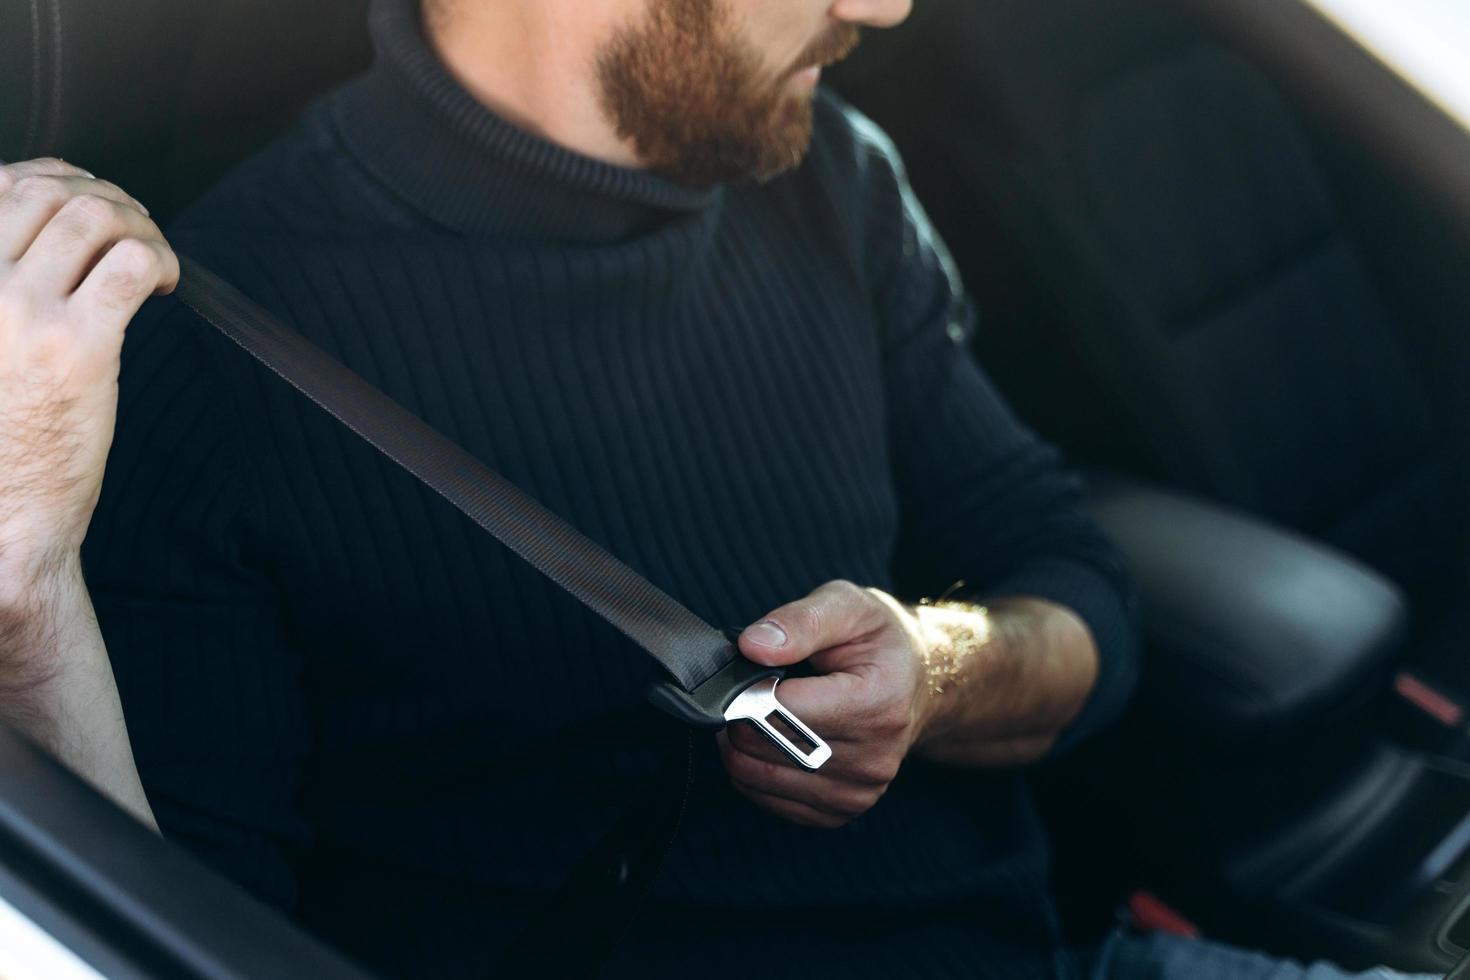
column 742, row 691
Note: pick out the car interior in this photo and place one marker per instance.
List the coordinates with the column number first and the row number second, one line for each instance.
column 1218, row 253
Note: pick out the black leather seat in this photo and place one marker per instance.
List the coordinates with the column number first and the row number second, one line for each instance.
column 1262, row 637
column 1175, row 288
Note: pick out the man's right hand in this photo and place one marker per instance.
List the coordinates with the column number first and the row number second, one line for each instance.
column 78, row 257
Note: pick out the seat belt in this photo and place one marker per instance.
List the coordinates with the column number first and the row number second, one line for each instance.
column 708, row 684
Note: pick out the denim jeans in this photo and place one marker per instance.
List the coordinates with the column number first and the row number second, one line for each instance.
column 1164, row 957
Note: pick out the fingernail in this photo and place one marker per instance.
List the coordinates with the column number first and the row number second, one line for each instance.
column 766, row 634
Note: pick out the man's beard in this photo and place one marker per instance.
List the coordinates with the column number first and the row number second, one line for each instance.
column 696, row 101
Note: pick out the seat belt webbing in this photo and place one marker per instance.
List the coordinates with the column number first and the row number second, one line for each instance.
column 690, row 649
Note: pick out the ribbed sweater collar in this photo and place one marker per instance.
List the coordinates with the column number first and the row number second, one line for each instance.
column 422, row 135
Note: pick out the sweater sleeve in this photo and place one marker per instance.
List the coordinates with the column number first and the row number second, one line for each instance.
column 210, row 684
column 983, row 500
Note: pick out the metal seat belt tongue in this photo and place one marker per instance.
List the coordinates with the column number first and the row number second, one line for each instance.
column 710, row 684
column 742, row 690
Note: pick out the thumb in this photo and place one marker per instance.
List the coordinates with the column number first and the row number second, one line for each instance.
column 834, row 614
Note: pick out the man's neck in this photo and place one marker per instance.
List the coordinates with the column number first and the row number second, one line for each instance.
column 533, row 64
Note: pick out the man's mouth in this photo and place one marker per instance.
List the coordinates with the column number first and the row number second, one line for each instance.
column 828, row 49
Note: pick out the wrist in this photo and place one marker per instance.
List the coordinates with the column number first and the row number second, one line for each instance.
column 948, row 636
column 42, row 598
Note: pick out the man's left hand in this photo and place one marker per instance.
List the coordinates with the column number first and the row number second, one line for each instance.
column 870, row 703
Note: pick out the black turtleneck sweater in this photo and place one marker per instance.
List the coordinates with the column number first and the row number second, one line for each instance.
column 347, row 697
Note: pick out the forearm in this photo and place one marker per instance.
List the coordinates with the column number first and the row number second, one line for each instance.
column 56, row 682
column 1001, row 682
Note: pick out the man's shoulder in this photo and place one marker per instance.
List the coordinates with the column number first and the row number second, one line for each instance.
column 851, row 183
column 849, row 148
column 851, row 161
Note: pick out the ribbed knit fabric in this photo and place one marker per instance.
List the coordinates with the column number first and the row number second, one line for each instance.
column 347, row 697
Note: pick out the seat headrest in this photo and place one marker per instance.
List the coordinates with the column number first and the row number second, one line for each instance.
column 162, row 96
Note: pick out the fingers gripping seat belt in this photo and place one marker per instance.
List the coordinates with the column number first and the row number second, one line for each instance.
column 709, row 683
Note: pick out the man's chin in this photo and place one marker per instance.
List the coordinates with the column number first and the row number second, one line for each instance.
column 732, row 154
column 789, row 140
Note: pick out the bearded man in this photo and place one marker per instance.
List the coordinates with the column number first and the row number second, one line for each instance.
column 625, row 252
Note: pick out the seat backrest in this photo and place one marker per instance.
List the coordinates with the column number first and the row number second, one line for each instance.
column 163, row 95
column 1163, row 201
